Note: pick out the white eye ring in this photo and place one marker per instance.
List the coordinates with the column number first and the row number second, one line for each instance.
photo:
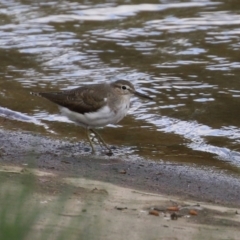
column 124, row 87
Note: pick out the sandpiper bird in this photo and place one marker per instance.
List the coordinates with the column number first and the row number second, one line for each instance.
column 93, row 106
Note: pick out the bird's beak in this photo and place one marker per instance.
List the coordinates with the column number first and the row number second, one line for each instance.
column 142, row 95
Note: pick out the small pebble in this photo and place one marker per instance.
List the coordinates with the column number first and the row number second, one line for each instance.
column 154, row 212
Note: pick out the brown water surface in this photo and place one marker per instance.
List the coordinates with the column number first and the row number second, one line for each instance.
column 186, row 54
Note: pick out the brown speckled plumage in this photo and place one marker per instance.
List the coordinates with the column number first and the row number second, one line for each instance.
column 95, row 105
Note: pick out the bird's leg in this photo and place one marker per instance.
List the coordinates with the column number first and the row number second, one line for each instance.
column 90, row 141
column 101, row 141
column 95, row 137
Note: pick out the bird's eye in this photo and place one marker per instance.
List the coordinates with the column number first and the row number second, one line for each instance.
column 124, row 87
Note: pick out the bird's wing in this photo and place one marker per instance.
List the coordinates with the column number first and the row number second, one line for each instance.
column 81, row 100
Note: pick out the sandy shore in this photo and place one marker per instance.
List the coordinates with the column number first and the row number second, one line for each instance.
column 89, row 209
column 121, row 198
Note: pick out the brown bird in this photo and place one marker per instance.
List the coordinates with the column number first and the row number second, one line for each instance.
column 93, row 106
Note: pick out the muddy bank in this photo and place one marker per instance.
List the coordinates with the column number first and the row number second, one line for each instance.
column 78, row 208
column 73, row 160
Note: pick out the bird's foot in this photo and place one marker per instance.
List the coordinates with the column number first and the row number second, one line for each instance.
column 109, row 153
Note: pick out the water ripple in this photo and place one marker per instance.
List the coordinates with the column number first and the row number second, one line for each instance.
column 183, row 53
column 196, row 133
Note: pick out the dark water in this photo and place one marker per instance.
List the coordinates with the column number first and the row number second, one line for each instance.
column 186, row 54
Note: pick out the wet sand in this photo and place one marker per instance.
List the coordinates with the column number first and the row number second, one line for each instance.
column 71, row 159
column 135, row 197
column 80, row 208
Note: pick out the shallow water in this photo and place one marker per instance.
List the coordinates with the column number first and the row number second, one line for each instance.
column 185, row 54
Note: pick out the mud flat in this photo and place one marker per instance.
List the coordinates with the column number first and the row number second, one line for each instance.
column 118, row 197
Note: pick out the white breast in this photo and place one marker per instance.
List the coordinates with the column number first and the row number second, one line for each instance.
column 101, row 118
